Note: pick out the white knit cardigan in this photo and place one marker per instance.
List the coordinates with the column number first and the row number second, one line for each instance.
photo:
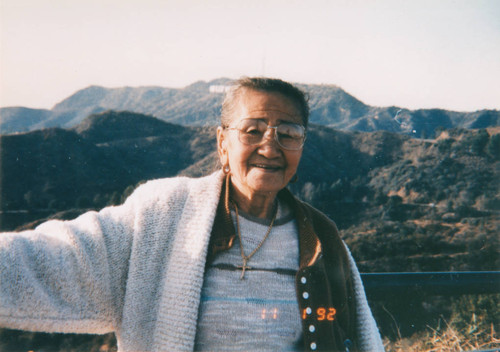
column 135, row 270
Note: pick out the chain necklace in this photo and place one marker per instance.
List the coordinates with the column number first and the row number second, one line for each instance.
column 246, row 258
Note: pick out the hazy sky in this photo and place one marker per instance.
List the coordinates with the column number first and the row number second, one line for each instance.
column 413, row 54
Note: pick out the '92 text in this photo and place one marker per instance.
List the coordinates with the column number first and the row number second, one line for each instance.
column 320, row 314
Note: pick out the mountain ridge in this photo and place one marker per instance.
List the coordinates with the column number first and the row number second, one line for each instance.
column 198, row 105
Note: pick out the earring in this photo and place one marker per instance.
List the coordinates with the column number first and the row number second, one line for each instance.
column 294, row 179
column 226, row 169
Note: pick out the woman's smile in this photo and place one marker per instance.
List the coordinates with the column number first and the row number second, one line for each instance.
column 267, row 167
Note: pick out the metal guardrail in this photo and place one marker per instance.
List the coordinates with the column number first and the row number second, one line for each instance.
column 433, row 283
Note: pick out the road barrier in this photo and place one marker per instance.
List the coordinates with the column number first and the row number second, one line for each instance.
column 433, row 283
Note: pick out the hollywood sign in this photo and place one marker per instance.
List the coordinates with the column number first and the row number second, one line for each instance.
column 219, row 89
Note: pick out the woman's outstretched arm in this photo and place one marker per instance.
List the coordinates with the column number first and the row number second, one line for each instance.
column 67, row 276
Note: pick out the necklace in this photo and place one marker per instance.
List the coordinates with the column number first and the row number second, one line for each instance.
column 246, row 258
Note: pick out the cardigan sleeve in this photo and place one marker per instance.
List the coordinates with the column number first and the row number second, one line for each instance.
column 367, row 330
column 67, row 276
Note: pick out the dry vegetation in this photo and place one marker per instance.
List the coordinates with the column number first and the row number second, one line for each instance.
column 446, row 338
column 473, row 326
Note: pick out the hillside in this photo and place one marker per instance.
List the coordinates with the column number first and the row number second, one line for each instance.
column 365, row 181
column 197, row 105
column 54, row 169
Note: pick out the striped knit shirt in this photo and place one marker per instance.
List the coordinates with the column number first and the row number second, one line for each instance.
column 259, row 312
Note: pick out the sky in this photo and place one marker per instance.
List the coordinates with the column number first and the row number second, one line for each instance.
column 411, row 54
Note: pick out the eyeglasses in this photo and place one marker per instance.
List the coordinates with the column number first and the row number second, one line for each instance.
column 290, row 136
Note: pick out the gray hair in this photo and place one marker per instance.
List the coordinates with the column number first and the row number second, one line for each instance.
column 271, row 85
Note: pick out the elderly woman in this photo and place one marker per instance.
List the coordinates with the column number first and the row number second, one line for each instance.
column 231, row 261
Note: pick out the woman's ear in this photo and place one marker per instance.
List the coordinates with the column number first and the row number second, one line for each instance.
column 221, row 145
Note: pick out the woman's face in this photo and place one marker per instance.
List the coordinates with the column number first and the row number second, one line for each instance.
column 265, row 167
